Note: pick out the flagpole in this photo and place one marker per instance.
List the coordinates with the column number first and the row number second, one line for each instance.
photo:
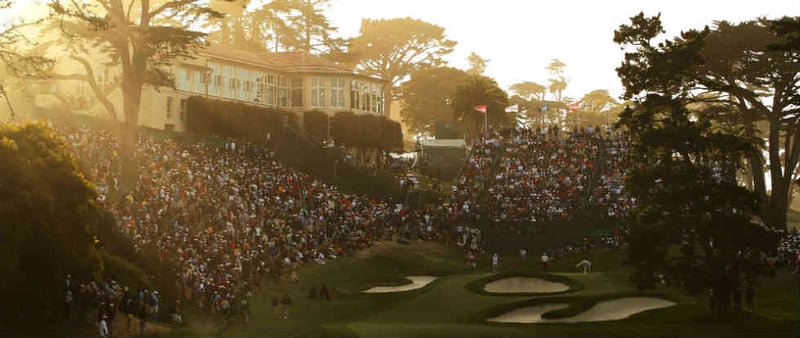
column 486, row 120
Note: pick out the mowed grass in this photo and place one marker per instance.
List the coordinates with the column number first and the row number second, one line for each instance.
column 447, row 307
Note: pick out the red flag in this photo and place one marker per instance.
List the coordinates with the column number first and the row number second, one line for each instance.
column 574, row 106
column 481, row 108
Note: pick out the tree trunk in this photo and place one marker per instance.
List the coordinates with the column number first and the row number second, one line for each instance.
column 779, row 205
column 779, row 198
column 131, row 98
column 756, row 165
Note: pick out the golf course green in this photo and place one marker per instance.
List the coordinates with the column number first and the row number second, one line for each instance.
column 455, row 304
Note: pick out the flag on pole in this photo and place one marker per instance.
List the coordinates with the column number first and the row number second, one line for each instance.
column 512, row 108
column 575, row 106
column 481, row 108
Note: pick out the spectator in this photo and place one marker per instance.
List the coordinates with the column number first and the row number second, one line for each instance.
column 103, row 327
column 312, row 294
column 245, row 308
column 545, row 261
column 586, row 265
column 68, row 303
column 275, row 302
column 286, row 302
column 177, row 314
column 323, row 293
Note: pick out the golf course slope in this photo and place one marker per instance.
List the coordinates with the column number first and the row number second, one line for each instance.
column 456, row 303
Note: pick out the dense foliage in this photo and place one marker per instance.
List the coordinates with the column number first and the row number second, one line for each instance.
column 427, row 96
column 750, row 71
column 481, row 90
column 316, row 124
column 694, row 224
column 207, row 116
column 133, row 36
column 48, row 217
column 366, row 131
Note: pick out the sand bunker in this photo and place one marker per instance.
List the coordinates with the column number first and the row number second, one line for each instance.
column 524, row 285
column 527, row 315
column 417, row 282
column 608, row 310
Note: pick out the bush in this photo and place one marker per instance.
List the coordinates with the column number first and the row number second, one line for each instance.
column 371, row 126
column 233, row 119
column 345, row 128
column 391, row 135
column 46, row 216
column 316, row 124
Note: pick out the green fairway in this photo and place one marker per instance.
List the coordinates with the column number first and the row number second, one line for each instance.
column 450, row 306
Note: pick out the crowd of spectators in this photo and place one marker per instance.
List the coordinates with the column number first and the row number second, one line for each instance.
column 610, row 193
column 528, row 176
column 102, row 303
column 542, row 175
column 787, row 254
column 229, row 214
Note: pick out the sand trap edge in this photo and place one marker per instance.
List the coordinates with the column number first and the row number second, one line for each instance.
column 417, row 282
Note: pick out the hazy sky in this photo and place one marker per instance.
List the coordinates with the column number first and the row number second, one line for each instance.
column 520, row 37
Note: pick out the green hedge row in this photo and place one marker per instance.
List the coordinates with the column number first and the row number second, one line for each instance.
column 367, row 131
column 211, row 116
column 316, row 124
column 225, row 118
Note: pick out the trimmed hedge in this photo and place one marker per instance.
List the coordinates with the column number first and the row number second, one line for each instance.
column 392, row 135
column 345, row 130
column 367, row 131
column 234, row 119
column 211, row 116
column 371, row 126
column 316, row 124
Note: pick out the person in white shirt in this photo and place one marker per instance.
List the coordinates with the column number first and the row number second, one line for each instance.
column 545, row 260
column 103, row 327
column 495, row 262
column 586, row 264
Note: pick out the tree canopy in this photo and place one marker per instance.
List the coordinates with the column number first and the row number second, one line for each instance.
column 752, row 66
column 481, row 90
column 14, row 41
column 529, row 90
column 427, row 97
column 597, row 107
column 393, row 48
column 312, row 29
column 693, row 222
column 558, row 83
column 141, row 37
column 477, row 64
column 48, row 217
